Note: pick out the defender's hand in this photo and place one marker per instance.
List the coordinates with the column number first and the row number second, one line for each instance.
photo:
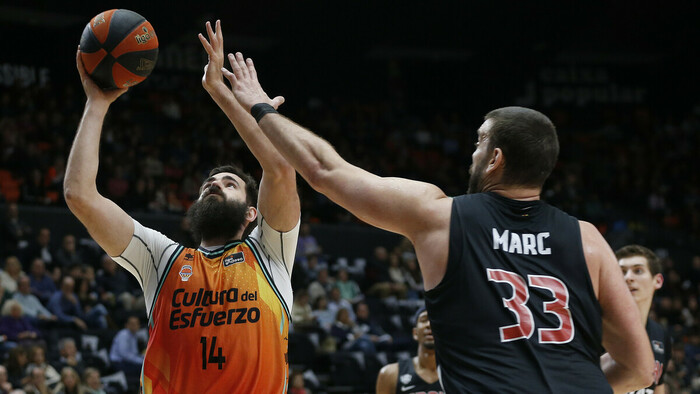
column 215, row 50
column 93, row 92
column 245, row 85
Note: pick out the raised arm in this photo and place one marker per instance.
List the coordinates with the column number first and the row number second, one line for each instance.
column 108, row 224
column 278, row 200
column 418, row 210
column 630, row 364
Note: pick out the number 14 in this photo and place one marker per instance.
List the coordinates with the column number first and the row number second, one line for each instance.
column 516, row 304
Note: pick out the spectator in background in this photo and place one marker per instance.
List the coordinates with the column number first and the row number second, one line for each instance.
column 302, row 313
column 324, row 315
column 15, row 327
column 36, row 381
column 68, row 254
column 5, row 385
column 115, row 286
column 414, row 279
column 349, row 336
column 4, row 295
column 125, row 354
column 12, row 272
column 37, row 359
column 41, row 283
column 296, row 383
column 306, row 244
column 39, row 248
column 31, row 305
column 370, row 327
column 69, row 356
column 379, row 281
column 14, row 230
column 16, row 366
column 65, row 305
column 349, row 289
column 321, row 286
column 70, row 382
column 336, row 303
column 93, row 384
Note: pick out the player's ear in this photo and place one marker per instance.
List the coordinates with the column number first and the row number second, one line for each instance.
column 415, row 334
column 251, row 214
column 658, row 281
column 497, row 160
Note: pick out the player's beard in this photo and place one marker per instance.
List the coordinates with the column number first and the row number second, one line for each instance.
column 430, row 345
column 211, row 218
column 476, row 178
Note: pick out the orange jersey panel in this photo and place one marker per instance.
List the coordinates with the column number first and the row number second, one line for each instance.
column 218, row 326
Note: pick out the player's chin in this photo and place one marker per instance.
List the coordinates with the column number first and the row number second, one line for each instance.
column 430, row 344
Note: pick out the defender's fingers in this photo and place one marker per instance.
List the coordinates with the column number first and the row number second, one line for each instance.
column 251, row 69
column 234, row 65
column 241, row 64
column 205, row 44
column 210, row 32
column 229, row 75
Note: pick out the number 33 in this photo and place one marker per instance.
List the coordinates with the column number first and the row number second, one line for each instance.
column 516, row 304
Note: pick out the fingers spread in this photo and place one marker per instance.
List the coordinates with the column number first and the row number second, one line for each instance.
column 251, row 69
column 205, row 44
column 241, row 64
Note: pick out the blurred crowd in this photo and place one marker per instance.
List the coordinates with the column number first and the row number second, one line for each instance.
column 633, row 173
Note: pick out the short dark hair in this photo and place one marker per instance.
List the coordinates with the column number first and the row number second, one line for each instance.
column 653, row 261
column 529, row 143
column 251, row 185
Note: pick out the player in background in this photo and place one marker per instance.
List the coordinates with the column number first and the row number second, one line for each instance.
column 521, row 296
column 642, row 270
column 412, row 376
column 218, row 314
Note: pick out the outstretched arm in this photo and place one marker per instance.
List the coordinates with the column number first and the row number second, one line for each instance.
column 108, row 224
column 278, row 200
column 418, row 210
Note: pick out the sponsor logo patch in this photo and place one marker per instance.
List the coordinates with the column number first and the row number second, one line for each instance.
column 185, row 272
column 405, row 378
column 235, row 258
column 658, row 346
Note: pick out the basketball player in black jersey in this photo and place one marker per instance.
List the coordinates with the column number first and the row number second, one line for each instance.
column 521, row 296
column 642, row 270
column 411, row 376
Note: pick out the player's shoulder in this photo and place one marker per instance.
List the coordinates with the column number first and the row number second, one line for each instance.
column 390, row 370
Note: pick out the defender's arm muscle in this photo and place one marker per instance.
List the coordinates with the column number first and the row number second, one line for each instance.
column 631, row 363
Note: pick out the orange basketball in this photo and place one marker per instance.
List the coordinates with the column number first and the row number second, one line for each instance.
column 118, row 48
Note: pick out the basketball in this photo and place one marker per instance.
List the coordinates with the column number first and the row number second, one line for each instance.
column 118, row 48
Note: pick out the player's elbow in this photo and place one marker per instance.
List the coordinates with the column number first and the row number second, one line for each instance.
column 647, row 371
column 76, row 199
column 318, row 177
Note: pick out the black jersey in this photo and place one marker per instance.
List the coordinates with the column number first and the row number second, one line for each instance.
column 516, row 311
column 410, row 383
column 661, row 346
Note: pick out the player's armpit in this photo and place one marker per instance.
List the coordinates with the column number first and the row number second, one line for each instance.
column 387, row 378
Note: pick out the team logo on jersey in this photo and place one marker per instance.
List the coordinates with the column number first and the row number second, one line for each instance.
column 406, row 378
column 658, row 346
column 235, row 258
column 185, row 272
column 189, row 257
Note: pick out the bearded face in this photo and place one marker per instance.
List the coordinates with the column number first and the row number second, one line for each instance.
column 213, row 216
column 476, row 177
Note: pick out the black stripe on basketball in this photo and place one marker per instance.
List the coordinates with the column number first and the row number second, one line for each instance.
column 102, row 75
column 140, row 63
column 120, row 27
column 88, row 41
